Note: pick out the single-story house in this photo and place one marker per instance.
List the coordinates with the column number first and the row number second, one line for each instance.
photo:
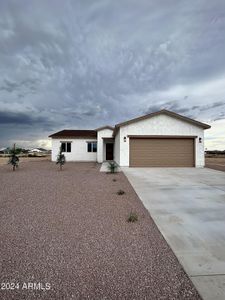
column 159, row 139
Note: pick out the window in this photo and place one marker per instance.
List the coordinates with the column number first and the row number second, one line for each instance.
column 89, row 147
column 92, row 146
column 66, row 146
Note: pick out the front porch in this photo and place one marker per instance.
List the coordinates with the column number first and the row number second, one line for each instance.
column 108, row 149
column 105, row 140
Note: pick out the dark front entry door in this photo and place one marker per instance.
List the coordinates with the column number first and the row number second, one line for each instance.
column 109, row 151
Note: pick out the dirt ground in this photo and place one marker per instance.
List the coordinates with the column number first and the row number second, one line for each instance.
column 4, row 160
column 69, row 229
column 217, row 163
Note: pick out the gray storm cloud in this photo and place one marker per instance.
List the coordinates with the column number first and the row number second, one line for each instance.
column 83, row 64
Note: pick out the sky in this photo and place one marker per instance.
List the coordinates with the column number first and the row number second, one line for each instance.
column 84, row 64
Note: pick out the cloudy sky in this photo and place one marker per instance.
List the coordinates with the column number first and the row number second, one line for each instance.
column 83, row 64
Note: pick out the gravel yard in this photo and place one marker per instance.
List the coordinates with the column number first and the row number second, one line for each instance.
column 4, row 160
column 69, row 229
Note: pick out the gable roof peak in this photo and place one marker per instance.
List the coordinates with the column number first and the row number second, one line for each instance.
column 105, row 127
column 167, row 112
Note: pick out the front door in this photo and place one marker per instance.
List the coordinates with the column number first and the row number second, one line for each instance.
column 109, row 151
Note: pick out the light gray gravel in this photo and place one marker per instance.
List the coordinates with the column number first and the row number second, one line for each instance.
column 69, row 229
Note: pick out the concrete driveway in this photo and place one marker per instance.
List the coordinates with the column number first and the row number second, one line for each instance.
column 188, row 206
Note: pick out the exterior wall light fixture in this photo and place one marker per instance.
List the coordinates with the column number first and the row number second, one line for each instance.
column 125, row 139
column 200, row 140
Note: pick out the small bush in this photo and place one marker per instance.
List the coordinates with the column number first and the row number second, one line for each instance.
column 13, row 158
column 112, row 167
column 133, row 217
column 120, row 192
column 61, row 160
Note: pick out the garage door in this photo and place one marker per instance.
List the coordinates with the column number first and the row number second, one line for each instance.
column 162, row 152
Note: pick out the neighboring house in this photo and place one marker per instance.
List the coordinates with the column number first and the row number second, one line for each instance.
column 37, row 150
column 4, row 150
column 160, row 139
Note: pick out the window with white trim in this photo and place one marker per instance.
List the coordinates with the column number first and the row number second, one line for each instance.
column 66, row 146
column 92, row 147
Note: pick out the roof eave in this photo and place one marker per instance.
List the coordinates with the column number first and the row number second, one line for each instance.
column 167, row 112
column 73, row 137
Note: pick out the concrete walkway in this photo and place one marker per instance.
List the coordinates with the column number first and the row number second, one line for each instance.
column 188, row 206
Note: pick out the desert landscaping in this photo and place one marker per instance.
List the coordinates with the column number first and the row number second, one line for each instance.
column 213, row 162
column 70, row 229
column 4, row 160
column 85, row 233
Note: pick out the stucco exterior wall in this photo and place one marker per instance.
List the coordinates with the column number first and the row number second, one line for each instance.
column 117, row 148
column 160, row 125
column 78, row 150
column 100, row 150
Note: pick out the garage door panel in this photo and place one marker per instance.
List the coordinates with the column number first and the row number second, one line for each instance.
column 161, row 152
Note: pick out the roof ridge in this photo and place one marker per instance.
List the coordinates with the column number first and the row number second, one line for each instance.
column 75, row 133
column 165, row 111
column 103, row 127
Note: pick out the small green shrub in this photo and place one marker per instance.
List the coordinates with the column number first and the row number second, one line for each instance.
column 61, row 160
column 13, row 158
column 133, row 217
column 120, row 192
column 112, row 167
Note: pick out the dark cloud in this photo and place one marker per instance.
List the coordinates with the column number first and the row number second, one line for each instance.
column 80, row 64
column 11, row 86
column 172, row 106
column 20, row 118
column 220, row 105
column 190, row 111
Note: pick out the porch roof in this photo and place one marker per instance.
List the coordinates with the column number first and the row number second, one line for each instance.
column 108, row 138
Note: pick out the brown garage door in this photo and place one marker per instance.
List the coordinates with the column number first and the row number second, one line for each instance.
column 162, row 152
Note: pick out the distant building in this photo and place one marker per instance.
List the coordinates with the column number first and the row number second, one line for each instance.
column 5, row 150
column 38, row 150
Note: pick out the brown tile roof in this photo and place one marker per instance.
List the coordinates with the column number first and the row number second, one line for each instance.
column 166, row 112
column 74, row 134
